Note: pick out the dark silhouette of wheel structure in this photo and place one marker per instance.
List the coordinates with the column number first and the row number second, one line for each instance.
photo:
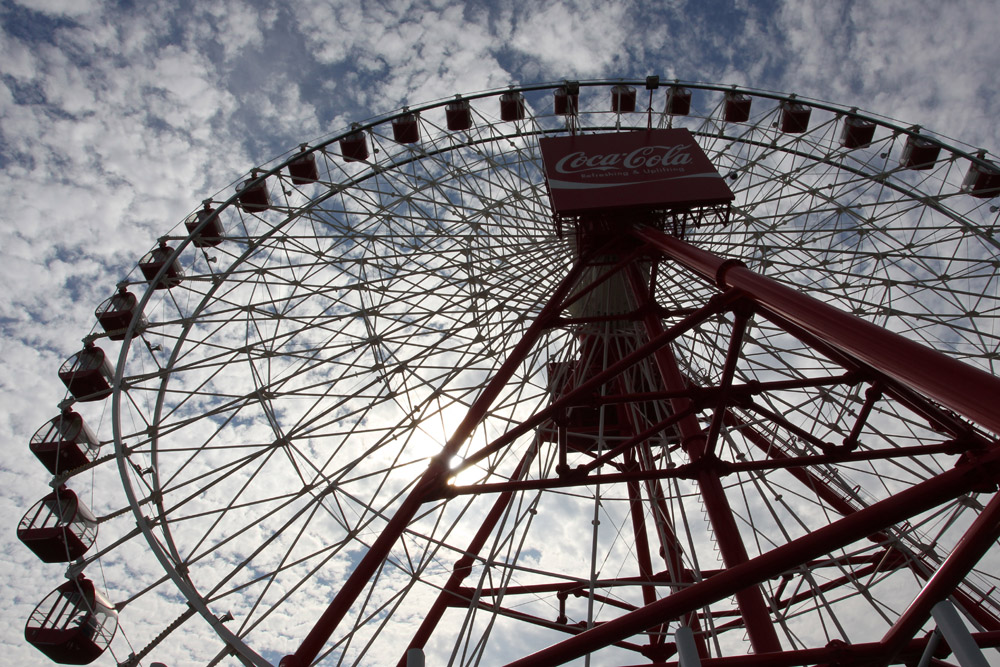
column 602, row 452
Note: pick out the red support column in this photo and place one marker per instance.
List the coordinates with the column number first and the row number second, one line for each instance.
column 673, row 558
column 899, row 507
column 714, row 306
column 433, row 477
column 464, row 565
column 842, row 505
column 636, row 512
column 750, row 600
column 978, row 539
column 836, row 654
column 960, row 387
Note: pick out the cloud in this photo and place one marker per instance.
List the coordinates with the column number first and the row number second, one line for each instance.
column 910, row 60
column 573, row 39
column 61, row 8
column 117, row 120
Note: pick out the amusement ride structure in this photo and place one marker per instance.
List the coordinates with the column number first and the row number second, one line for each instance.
column 600, row 373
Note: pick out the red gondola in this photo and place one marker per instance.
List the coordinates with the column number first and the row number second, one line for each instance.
column 354, row 147
column 303, row 169
column 857, row 132
column 919, row 153
column 88, row 374
column 622, row 99
column 116, row 312
column 406, row 129
column 794, row 117
column 736, row 108
column 252, row 194
column 458, row 115
column 982, row 182
column 64, row 443
column 512, row 106
column 156, row 259
column 58, row 528
column 678, row 101
column 73, row 625
column 566, row 100
column 211, row 234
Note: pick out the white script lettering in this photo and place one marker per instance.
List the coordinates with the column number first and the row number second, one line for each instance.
column 644, row 157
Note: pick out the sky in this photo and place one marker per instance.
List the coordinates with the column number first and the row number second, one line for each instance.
column 116, row 119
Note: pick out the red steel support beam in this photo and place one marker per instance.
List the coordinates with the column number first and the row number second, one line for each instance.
column 433, row 477
column 840, row 654
column 859, row 525
column 464, row 565
column 673, row 557
column 978, row 539
column 671, row 548
column 637, row 514
column 713, row 306
column 966, row 390
column 756, row 613
column 843, row 506
column 776, row 452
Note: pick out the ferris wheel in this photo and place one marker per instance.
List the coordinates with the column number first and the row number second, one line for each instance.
column 381, row 404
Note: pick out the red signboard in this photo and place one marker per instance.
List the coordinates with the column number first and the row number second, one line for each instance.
column 648, row 169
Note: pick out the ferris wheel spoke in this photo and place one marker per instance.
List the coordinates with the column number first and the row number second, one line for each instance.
column 291, row 389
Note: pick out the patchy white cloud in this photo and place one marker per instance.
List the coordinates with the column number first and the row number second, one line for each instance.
column 117, row 120
column 574, row 38
column 62, row 8
column 386, row 55
column 919, row 62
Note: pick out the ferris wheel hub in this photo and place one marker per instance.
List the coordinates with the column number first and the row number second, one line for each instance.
column 678, row 380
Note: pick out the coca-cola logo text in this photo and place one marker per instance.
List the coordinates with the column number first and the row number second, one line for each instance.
column 644, row 157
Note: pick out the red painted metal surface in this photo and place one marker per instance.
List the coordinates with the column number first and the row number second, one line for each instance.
column 656, row 169
column 88, row 374
column 64, row 442
column 856, row 132
column 74, row 624
column 584, row 390
column 966, row 390
column 694, row 441
column 978, row 539
column 919, row 153
column 303, row 170
column 406, row 129
column 458, row 115
column 905, row 370
column 982, row 181
column 737, row 108
column 623, row 99
column 837, row 653
column 208, row 235
column 463, row 567
column 430, row 482
column 894, row 509
column 354, row 147
column 59, row 528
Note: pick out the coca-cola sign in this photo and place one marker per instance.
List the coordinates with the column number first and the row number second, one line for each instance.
column 652, row 169
column 645, row 157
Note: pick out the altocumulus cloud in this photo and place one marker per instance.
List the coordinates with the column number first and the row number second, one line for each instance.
column 117, row 119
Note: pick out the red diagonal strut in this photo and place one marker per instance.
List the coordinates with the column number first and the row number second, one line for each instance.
column 432, row 478
column 966, row 390
column 756, row 614
column 894, row 509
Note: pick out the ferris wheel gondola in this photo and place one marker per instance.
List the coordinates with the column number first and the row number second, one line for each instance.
column 381, row 399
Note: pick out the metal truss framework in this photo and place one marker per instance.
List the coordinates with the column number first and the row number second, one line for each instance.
column 380, row 372
column 951, row 396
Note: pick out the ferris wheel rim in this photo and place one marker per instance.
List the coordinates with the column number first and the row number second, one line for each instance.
column 121, row 447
